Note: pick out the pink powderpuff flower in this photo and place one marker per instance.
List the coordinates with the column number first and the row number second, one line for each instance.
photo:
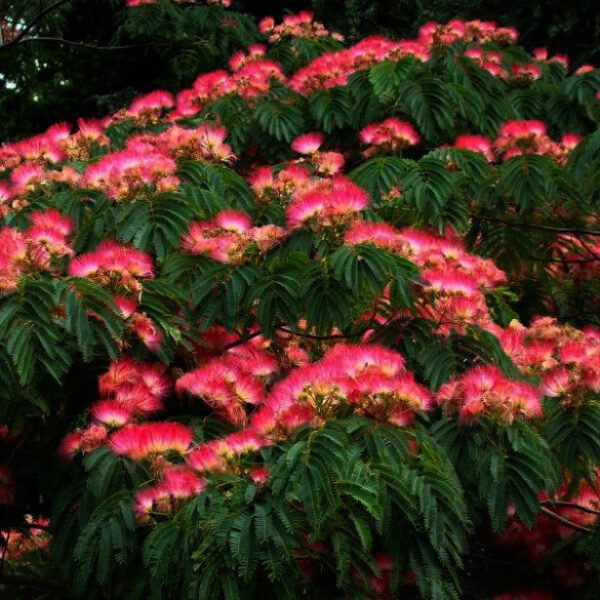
column 27, row 177
column 354, row 359
column 146, row 330
column 378, row 234
column 242, row 442
column 308, row 143
column 141, row 441
column 266, row 25
column 526, row 71
column 126, row 175
column 259, row 475
column 138, row 399
column 111, row 413
column 391, row 134
column 127, row 306
column 450, row 281
column 476, row 143
column 207, row 458
column 114, row 265
column 328, row 163
column 148, row 108
column 233, row 220
column 181, row 482
column 585, row 69
column 145, row 498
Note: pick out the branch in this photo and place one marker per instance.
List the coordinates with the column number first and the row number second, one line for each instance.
column 542, row 227
column 339, row 336
column 572, row 505
column 564, row 521
column 89, row 46
column 32, row 24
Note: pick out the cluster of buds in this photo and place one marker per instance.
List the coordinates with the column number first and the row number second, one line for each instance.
column 230, row 237
column 485, row 392
column 300, row 25
column 269, row 185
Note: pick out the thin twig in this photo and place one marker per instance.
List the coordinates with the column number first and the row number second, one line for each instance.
column 14, row 41
column 90, row 46
column 564, row 521
column 572, row 505
column 575, row 231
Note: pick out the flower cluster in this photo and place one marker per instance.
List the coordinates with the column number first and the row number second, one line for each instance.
column 128, row 391
column 435, row 34
column 7, row 486
column 230, row 237
column 205, row 143
column 523, row 137
column 127, row 175
column 18, row 544
column 565, row 359
column 389, row 135
column 115, row 266
column 35, row 248
column 578, row 506
column 517, row 138
column 300, row 25
column 484, row 392
column 228, row 383
column 323, row 203
column 454, row 280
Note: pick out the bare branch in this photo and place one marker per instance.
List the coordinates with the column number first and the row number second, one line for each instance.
column 575, row 231
column 14, row 41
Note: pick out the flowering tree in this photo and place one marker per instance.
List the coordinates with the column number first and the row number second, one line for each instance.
column 322, row 325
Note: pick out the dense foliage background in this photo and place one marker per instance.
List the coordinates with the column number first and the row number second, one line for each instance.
column 321, row 324
column 108, row 57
